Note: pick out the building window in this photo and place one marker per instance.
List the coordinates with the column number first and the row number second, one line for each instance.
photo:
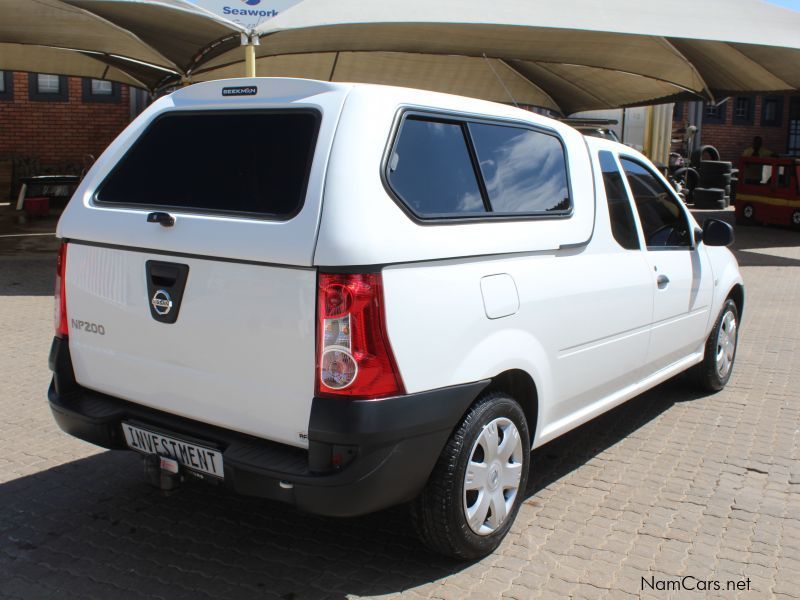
column 743, row 110
column 6, row 85
column 47, row 87
column 772, row 111
column 714, row 114
column 100, row 90
column 793, row 147
column 677, row 111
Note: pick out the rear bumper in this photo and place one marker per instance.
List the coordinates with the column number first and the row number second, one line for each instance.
column 364, row 455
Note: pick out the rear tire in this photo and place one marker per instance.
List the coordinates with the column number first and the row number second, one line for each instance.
column 697, row 155
column 478, row 483
column 796, row 219
column 714, row 372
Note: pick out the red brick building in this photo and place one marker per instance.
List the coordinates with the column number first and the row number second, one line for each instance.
column 50, row 123
column 731, row 125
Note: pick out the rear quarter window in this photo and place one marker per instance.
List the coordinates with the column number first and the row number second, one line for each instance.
column 254, row 163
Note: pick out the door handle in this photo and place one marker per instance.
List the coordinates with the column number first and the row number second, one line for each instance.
column 662, row 281
column 165, row 219
column 163, row 275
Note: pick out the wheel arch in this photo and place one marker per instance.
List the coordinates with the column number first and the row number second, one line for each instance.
column 527, row 379
column 519, row 384
column 737, row 295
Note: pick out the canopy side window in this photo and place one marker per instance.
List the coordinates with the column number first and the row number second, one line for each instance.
column 442, row 168
column 431, row 170
column 525, row 171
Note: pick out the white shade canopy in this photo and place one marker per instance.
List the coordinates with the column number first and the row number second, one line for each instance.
column 42, row 59
column 144, row 43
column 570, row 54
column 567, row 55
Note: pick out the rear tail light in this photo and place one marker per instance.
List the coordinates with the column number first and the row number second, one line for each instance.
column 60, row 315
column 354, row 358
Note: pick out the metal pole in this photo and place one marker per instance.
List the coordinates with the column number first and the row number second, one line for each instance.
column 250, row 60
column 249, row 42
column 648, row 133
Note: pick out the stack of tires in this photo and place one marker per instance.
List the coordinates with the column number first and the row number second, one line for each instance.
column 715, row 185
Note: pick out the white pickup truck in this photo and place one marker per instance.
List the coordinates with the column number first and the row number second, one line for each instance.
column 348, row 297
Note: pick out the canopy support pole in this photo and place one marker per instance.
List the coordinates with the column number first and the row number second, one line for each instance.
column 250, row 60
column 250, row 41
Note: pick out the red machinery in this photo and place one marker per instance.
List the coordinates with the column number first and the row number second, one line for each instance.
column 768, row 191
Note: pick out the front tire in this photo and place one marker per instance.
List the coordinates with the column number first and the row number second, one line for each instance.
column 714, row 372
column 478, row 483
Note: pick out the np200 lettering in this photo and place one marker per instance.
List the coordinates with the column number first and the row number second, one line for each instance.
column 395, row 304
column 88, row 326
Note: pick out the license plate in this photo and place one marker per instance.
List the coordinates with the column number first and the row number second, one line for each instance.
column 190, row 455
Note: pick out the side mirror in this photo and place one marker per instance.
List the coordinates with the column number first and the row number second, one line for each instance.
column 717, row 233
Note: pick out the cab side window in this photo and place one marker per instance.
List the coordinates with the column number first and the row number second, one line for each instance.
column 664, row 223
column 623, row 225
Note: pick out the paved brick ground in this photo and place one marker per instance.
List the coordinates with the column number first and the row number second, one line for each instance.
column 670, row 484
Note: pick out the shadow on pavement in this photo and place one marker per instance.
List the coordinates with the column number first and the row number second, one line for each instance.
column 575, row 448
column 94, row 525
column 22, row 235
column 27, row 275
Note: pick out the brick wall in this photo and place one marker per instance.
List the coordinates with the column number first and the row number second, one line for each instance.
column 732, row 139
column 59, row 133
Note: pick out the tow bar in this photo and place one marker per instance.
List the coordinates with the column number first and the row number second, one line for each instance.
column 163, row 473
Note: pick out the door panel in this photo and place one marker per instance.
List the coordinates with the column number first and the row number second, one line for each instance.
column 604, row 329
column 681, row 273
column 682, row 298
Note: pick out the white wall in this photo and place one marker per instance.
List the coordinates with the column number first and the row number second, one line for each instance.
column 630, row 125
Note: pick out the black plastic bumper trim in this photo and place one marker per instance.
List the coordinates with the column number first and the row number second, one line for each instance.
column 396, row 441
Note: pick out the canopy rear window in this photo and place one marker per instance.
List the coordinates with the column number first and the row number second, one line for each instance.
column 234, row 161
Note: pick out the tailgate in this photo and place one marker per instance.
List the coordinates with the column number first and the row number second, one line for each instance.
column 240, row 354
